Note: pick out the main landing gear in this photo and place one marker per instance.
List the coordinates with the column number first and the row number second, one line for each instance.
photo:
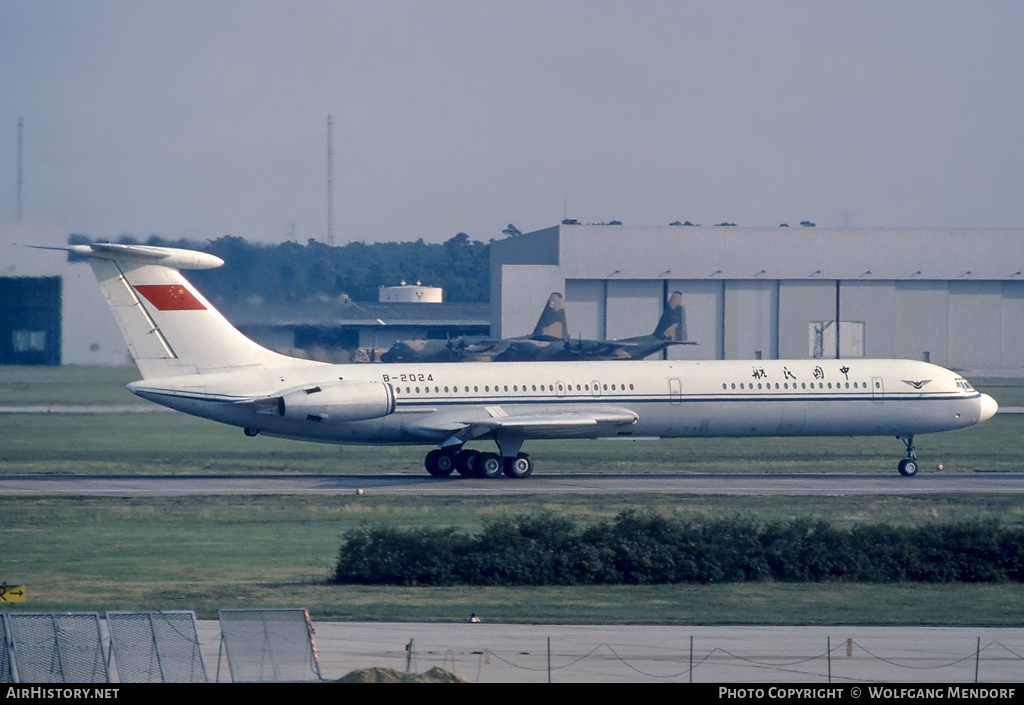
column 908, row 466
column 442, row 462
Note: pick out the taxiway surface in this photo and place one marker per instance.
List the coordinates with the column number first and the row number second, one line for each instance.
column 718, row 484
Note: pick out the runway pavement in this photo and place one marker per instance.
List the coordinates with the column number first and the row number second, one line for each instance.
column 719, row 484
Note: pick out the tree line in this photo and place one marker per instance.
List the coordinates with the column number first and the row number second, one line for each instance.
column 293, row 272
column 643, row 548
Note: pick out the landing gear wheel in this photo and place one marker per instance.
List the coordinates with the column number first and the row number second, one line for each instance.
column 908, row 467
column 440, row 462
column 490, row 465
column 519, row 467
column 466, row 462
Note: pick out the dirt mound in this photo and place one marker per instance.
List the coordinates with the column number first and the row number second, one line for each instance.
column 390, row 675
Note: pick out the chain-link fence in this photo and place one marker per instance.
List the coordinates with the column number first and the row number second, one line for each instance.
column 269, row 645
column 57, row 648
column 6, row 667
column 279, row 645
column 509, row 653
column 156, row 647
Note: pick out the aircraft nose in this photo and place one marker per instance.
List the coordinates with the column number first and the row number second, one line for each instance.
column 989, row 407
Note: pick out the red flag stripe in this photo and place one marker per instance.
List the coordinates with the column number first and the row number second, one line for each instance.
column 170, row 297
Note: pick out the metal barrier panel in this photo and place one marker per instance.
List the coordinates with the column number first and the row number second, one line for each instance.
column 58, row 648
column 6, row 668
column 156, row 647
column 269, row 645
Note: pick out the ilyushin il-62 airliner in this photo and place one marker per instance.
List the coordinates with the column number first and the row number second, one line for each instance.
column 193, row 360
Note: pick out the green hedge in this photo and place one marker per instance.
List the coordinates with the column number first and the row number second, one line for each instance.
column 639, row 548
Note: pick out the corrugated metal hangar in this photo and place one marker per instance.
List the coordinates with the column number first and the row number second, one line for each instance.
column 951, row 296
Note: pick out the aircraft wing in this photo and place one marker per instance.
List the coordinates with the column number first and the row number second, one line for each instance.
column 549, row 421
column 527, row 424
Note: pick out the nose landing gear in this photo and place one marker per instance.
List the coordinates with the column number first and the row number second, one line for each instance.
column 908, row 466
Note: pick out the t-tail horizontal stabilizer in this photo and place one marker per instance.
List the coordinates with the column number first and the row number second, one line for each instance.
column 171, row 330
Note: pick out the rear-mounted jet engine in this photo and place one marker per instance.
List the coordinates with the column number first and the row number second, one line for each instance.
column 333, row 401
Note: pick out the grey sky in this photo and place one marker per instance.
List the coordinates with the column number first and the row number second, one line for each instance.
column 199, row 119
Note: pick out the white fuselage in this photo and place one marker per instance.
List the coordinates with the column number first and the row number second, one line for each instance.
column 669, row 399
column 193, row 360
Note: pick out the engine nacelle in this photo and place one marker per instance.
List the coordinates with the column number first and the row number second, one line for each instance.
column 331, row 402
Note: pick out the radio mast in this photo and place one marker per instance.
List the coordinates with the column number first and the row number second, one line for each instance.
column 330, row 181
column 21, row 129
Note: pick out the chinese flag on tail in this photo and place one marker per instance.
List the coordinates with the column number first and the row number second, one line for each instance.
column 170, row 297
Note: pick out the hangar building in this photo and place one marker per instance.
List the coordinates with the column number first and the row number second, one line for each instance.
column 951, row 296
column 51, row 311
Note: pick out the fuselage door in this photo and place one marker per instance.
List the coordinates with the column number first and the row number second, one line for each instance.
column 675, row 390
column 877, row 389
column 595, row 388
column 559, row 389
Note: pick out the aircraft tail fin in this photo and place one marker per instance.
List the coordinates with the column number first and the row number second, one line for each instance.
column 171, row 330
column 672, row 325
column 552, row 324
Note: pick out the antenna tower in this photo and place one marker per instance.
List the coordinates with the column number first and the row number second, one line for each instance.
column 21, row 141
column 330, row 181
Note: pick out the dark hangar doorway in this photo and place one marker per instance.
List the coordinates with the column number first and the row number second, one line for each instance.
column 30, row 320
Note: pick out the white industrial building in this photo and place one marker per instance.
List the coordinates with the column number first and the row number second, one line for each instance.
column 951, row 296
